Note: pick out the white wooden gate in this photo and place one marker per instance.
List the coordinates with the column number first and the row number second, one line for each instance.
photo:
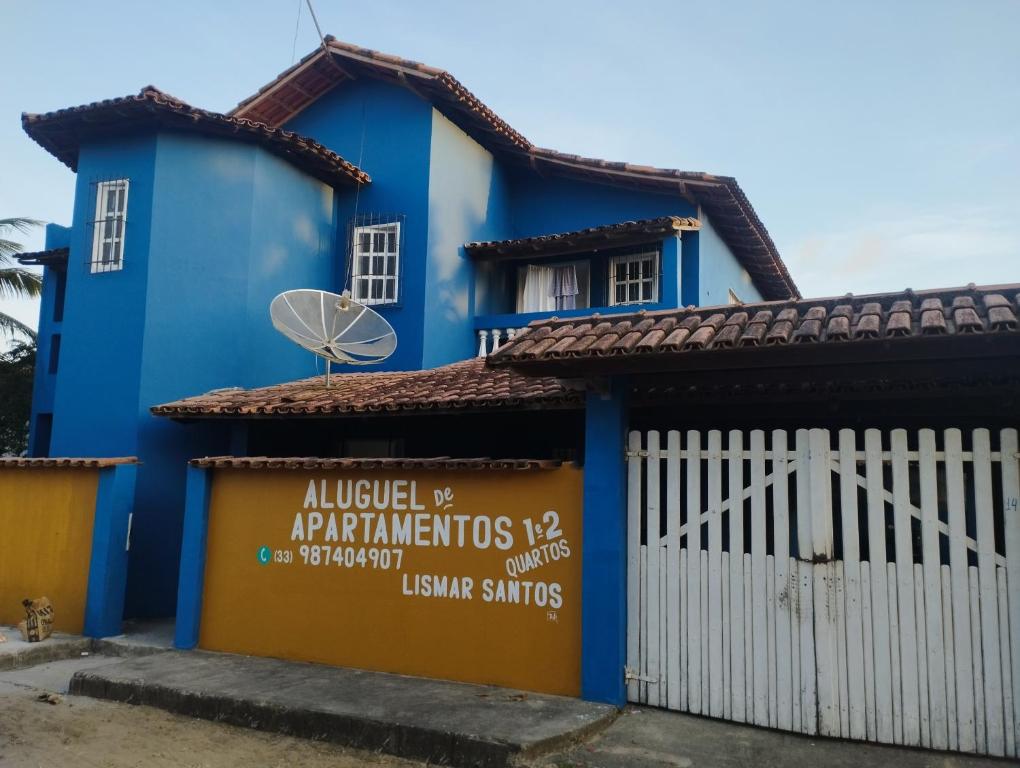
column 865, row 589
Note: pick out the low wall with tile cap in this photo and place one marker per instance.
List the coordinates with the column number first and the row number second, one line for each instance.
column 64, row 532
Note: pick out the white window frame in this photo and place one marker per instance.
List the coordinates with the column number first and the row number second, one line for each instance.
column 376, row 280
column 109, row 227
column 652, row 281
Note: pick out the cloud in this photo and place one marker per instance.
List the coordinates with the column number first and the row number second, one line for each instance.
column 911, row 250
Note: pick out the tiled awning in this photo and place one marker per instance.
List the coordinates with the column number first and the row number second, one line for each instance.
column 437, row 462
column 594, row 238
column 54, row 257
column 463, row 386
column 64, row 463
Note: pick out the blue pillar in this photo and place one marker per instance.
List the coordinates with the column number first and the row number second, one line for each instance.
column 671, row 272
column 192, row 573
column 690, row 291
column 104, row 597
column 604, row 544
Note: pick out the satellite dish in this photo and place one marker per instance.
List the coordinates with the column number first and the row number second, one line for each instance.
column 333, row 326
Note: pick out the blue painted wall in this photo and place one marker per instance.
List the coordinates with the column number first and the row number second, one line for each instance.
column 385, row 130
column 468, row 201
column 44, row 383
column 215, row 230
column 720, row 271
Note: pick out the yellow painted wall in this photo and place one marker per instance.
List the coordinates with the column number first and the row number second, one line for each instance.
column 355, row 612
column 46, row 517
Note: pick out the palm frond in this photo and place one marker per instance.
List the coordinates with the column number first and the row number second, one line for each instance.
column 18, row 282
column 21, row 224
column 11, row 327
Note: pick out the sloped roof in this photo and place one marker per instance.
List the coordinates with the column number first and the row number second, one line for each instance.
column 467, row 385
column 436, row 462
column 605, row 236
column 64, row 463
column 722, row 199
column 746, row 333
column 53, row 257
column 61, row 133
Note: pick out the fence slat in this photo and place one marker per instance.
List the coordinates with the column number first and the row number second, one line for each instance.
column 652, row 536
column 880, row 625
column 841, row 669
column 922, row 655
column 850, row 519
column 759, row 636
column 673, row 605
column 932, row 576
column 869, row 656
column 749, row 592
column 736, row 491
column 894, row 648
column 770, row 605
column 693, row 475
column 714, row 499
column 664, row 660
column 974, row 603
column 1007, row 668
column 805, row 577
column 984, row 513
column 966, row 719
column 684, row 626
column 1010, row 468
column 785, row 658
column 905, row 587
column 635, row 621
column 950, row 657
column 643, row 670
column 705, row 677
column 727, row 628
column 824, row 588
column 798, row 717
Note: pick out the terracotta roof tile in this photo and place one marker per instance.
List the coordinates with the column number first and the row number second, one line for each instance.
column 54, row 257
column 64, row 463
column 62, row 132
column 605, row 236
column 438, row 462
column 890, row 317
column 460, row 386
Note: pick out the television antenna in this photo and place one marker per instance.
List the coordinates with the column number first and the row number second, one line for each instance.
column 333, row 326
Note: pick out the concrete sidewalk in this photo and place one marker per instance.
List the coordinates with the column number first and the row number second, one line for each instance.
column 431, row 720
column 655, row 737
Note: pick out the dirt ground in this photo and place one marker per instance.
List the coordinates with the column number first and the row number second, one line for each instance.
column 84, row 732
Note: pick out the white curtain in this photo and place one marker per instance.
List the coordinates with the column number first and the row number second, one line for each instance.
column 535, row 289
column 564, row 286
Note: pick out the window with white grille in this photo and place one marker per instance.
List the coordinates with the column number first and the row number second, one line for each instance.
column 634, row 278
column 375, row 273
column 109, row 226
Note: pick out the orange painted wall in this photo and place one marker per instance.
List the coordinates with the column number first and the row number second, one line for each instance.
column 356, row 613
column 46, row 517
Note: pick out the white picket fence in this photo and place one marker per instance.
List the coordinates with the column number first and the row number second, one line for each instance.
column 861, row 590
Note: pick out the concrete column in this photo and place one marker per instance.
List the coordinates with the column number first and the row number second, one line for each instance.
column 690, row 290
column 604, row 560
column 192, row 573
column 104, row 599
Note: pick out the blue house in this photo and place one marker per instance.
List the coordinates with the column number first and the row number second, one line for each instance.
column 351, row 170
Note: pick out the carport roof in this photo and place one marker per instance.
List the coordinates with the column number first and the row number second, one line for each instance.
column 968, row 322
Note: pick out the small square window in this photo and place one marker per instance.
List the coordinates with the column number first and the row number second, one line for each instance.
column 376, row 262
column 634, row 279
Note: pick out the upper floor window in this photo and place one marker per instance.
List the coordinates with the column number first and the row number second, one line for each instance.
column 634, row 278
column 109, row 226
column 375, row 270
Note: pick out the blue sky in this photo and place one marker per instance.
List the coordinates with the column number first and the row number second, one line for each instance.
column 878, row 141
